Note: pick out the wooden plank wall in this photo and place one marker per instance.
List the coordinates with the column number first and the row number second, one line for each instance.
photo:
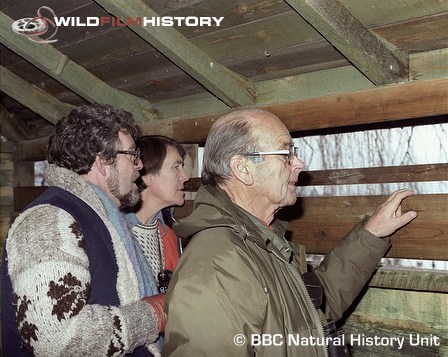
column 322, row 221
column 319, row 222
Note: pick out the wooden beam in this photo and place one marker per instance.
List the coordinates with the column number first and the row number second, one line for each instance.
column 386, row 174
column 61, row 68
column 32, row 150
column 428, row 280
column 377, row 105
column 8, row 147
column 374, row 175
column 23, row 173
column 228, row 86
column 424, row 66
column 33, row 97
column 320, row 222
column 8, row 128
column 344, row 31
column 6, row 192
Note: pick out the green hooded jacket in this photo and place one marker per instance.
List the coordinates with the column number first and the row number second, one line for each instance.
column 237, row 289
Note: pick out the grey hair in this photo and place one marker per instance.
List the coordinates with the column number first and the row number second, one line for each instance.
column 231, row 134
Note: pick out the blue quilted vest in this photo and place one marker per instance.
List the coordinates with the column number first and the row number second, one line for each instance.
column 103, row 268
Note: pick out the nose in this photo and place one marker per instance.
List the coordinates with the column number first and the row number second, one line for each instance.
column 184, row 176
column 297, row 165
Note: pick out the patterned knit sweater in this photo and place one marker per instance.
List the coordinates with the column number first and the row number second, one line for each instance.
column 49, row 267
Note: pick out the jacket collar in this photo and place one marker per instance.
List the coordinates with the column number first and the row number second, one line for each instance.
column 132, row 219
column 269, row 239
column 72, row 182
column 213, row 207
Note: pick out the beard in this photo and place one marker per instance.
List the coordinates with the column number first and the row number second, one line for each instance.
column 128, row 199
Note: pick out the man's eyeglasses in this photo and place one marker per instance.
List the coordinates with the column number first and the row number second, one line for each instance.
column 291, row 153
column 134, row 153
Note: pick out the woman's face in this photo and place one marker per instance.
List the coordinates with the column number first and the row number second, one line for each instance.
column 166, row 188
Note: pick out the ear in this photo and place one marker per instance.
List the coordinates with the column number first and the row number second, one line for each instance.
column 100, row 165
column 147, row 179
column 242, row 169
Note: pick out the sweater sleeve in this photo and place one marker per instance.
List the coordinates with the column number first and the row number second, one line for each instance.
column 49, row 271
column 347, row 267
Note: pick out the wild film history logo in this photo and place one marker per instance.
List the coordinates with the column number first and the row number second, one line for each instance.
column 36, row 27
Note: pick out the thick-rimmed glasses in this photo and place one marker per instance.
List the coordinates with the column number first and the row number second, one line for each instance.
column 134, row 153
column 291, row 153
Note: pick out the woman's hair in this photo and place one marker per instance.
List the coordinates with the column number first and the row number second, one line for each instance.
column 86, row 132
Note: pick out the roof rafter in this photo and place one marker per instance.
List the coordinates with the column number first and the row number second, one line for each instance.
column 230, row 87
column 79, row 80
column 360, row 46
column 34, row 98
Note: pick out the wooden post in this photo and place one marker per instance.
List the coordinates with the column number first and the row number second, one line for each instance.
column 191, row 165
column 6, row 191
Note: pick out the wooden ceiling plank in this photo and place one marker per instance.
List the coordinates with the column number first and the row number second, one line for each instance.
column 424, row 66
column 155, row 78
column 419, row 35
column 142, row 60
column 231, row 88
column 61, row 68
column 32, row 97
column 385, row 12
column 361, row 47
column 429, row 65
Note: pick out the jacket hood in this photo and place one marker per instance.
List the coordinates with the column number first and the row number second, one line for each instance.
column 213, row 208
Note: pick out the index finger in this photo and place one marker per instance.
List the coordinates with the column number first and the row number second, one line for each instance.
column 400, row 195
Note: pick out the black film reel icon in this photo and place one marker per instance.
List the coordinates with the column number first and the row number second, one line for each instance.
column 37, row 26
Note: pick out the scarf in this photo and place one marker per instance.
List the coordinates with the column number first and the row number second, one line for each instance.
column 146, row 283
